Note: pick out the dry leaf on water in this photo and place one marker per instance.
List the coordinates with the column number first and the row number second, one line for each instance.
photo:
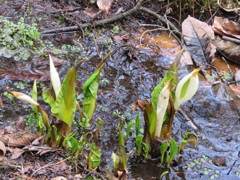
column 227, row 27
column 228, row 49
column 104, row 5
column 197, row 36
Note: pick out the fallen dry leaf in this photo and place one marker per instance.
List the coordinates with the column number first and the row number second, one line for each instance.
column 2, row 150
column 39, row 141
column 225, row 26
column 186, row 59
column 24, row 75
column 20, row 123
column 18, row 139
column 119, row 38
column 104, row 5
column 197, row 36
column 228, row 49
column 41, row 149
column 10, row 129
column 17, row 152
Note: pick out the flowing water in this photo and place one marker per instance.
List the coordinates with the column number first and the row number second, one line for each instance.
column 131, row 74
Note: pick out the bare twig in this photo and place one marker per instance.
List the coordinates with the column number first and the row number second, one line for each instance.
column 234, row 40
column 156, row 29
column 161, row 18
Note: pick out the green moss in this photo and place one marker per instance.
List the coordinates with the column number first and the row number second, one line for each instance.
column 19, row 40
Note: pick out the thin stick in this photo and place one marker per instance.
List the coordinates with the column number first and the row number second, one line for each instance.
column 49, row 164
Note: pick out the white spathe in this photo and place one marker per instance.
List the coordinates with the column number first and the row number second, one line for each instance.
column 193, row 80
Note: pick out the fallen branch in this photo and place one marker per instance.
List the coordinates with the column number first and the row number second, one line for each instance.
column 96, row 23
column 113, row 19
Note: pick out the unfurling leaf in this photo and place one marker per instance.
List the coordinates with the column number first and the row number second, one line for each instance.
column 65, row 104
column 115, row 161
column 186, row 88
column 189, row 138
column 137, row 124
column 55, row 80
column 90, row 89
column 152, row 109
column 139, row 141
column 162, row 105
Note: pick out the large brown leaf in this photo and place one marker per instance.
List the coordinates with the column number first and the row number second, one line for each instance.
column 197, row 36
column 227, row 27
column 228, row 49
column 18, row 139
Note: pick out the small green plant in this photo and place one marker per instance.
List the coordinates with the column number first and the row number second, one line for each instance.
column 120, row 158
column 116, row 29
column 19, row 40
column 159, row 114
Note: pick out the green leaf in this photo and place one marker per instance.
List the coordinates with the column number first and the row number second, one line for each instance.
column 163, row 149
column 94, row 156
column 49, row 97
column 171, row 74
column 65, row 104
column 173, row 150
column 139, row 140
column 184, row 88
column 137, row 124
column 145, row 149
column 164, row 173
column 90, row 88
column 129, row 127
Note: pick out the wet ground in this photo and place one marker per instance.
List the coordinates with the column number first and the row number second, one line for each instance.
column 131, row 74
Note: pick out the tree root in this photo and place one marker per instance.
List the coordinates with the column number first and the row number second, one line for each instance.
column 117, row 17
